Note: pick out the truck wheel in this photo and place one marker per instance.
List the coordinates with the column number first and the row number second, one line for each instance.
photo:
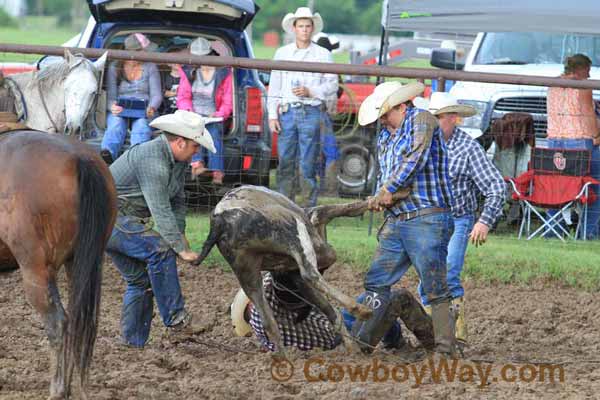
column 353, row 163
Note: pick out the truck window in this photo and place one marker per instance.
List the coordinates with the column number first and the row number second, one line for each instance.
column 535, row 48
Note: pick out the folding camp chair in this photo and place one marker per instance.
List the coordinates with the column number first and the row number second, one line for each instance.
column 557, row 179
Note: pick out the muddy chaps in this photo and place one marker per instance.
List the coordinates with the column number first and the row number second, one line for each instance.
column 257, row 229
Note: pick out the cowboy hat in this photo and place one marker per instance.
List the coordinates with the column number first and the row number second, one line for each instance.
column 386, row 96
column 200, row 47
column 421, row 102
column 302, row 12
column 139, row 41
column 188, row 125
column 238, row 307
column 442, row 103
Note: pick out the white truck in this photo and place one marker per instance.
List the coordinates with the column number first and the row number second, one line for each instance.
column 519, row 53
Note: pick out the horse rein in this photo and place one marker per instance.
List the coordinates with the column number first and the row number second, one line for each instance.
column 46, row 108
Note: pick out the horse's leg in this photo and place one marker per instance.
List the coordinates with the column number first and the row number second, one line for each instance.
column 41, row 291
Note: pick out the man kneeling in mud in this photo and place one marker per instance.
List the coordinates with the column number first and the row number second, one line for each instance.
column 304, row 326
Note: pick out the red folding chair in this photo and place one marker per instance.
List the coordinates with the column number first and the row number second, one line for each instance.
column 557, row 179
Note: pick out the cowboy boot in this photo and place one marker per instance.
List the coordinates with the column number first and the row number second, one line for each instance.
column 461, row 323
column 443, row 329
column 370, row 332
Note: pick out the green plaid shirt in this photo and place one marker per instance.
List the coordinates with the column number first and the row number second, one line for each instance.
column 150, row 184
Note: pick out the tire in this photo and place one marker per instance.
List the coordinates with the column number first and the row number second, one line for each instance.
column 354, row 160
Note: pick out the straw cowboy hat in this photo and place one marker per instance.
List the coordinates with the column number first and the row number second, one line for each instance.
column 385, row 97
column 302, row 12
column 443, row 103
column 188, row 125
column 139, row 41
column 238, row 307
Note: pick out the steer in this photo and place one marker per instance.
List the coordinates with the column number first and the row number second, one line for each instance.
column 257, row 229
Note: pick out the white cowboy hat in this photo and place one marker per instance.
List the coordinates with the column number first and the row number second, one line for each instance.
column 302, row 12
column 386, row 96
column 200, row 47
column 188, row 125
column 238, row 307
column 421, row 102
column 442, row 103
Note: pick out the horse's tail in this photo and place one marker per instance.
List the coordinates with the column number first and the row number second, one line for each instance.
column 216, row 230
column 85, row 275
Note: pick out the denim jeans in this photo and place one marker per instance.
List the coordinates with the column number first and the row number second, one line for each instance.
column 215, row 160
column 457, row 247
column 298, row 143
column 422, row 242
column 116, row 131
column 593, row 215
column 148, row 266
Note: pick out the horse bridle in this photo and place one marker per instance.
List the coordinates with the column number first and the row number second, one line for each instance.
column 46, row 108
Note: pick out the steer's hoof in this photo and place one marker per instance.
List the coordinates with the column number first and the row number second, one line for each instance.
column 361, row 312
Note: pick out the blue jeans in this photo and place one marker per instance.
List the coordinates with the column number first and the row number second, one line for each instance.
column 148, row 266
column 422, row 242
column 215, row 160
column 593, row 214
column 116, row 131
column 298, row 142
column 457, row 247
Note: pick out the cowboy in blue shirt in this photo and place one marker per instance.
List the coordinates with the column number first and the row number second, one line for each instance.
column 414, row 190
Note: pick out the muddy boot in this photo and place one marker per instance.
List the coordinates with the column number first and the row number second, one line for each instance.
column 443, row 329
column 458, row 305
column 183, row 328
column 370, row 332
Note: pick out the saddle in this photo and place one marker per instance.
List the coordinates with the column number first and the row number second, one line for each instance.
column 9, row 120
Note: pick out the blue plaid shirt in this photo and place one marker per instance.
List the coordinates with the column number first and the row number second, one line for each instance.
column 472, row 172
column 412, row 157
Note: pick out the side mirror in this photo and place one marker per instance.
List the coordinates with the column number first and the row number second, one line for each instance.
column 445, row 59
column 48, row 60
column 264, row 77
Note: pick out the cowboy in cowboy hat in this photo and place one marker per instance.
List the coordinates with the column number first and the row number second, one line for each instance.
column 414, row 190
column 295, row 104
column 471, row 173
column 149, row 178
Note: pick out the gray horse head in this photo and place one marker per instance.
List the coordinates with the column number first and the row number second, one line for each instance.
column 81, row 86
column 79, row 80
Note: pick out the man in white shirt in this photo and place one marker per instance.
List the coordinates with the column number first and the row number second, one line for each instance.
column 296, row 101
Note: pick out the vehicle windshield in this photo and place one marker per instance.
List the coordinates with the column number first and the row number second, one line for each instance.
column 535, row 48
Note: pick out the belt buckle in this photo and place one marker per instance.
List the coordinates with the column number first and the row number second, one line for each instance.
column 285, row 107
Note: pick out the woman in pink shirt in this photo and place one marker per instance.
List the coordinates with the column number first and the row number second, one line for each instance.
column 207, row 91
column 572, row 124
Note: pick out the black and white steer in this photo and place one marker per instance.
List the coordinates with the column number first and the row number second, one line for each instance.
column 257, row 229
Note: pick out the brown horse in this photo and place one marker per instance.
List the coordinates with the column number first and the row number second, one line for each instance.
column 57, row 207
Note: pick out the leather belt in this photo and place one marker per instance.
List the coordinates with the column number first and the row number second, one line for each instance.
column 419, row 213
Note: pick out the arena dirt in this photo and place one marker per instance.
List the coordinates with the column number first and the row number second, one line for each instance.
column 508, row 325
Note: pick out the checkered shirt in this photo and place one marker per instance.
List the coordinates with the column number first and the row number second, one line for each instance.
column 150, row 183
column 471, row 173
column 413, row 158
column 312, row 332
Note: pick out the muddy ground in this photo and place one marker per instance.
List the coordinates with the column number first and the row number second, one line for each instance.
column 508, row 324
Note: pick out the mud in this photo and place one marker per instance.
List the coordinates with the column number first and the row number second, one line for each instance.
column 508, row 325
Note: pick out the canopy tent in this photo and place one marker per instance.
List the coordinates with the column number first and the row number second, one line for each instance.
column 579, row 16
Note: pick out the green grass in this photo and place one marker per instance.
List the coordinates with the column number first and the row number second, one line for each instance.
column 503, row 259
column 34, row 30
